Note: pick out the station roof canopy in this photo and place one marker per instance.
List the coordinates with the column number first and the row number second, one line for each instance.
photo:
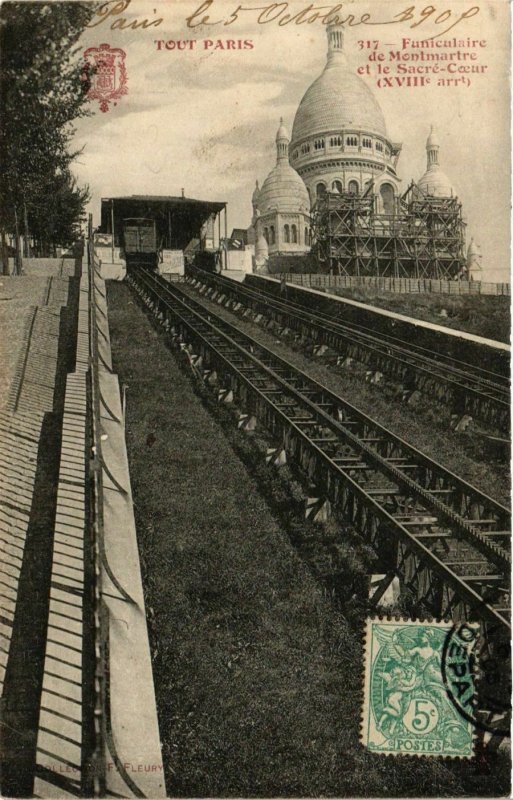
column 179, row 219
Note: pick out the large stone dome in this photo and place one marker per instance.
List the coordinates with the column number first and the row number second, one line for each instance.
column 283, row 189
column 339, row 139
column 338, row 100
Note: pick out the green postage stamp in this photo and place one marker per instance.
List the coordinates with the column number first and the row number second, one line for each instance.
column 419, row 696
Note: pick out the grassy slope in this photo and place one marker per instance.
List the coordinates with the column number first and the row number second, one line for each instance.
column 483, row 315
column 257, row 677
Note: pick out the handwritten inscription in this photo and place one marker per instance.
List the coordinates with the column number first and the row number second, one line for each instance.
column 281, row 14
column 116, row 8
column 116, row 14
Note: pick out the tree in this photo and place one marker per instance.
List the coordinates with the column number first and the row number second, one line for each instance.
column 41, row 92
column 58, row 218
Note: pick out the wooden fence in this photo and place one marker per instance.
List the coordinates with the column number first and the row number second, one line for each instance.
column 398, row 285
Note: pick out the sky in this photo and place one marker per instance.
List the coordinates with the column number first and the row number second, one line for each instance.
column 205, row 119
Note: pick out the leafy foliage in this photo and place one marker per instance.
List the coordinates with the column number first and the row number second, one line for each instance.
column 42, row 90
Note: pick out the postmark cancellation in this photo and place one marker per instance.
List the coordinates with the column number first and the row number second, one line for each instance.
column 419, row 691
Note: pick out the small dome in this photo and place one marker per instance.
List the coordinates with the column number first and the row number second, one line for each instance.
column 256, row 194
column 432, row 140
column 261, row 253
column 282, row 132
column 473, row 257
column 283, row 190
column 262, row 248
column 473, row 249
column 435, row 183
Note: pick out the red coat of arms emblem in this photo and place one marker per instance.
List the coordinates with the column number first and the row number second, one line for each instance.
column 106, row 74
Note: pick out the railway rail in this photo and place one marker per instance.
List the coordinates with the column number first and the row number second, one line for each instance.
column 437, row 338
column 462, row 387
column 446, row 540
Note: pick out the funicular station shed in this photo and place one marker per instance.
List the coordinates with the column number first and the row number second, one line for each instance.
column 184, row 226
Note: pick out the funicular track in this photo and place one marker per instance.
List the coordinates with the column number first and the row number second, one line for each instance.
column 446, row 541
column 464, row 388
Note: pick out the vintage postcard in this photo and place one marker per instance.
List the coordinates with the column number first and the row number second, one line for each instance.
column 255, row 424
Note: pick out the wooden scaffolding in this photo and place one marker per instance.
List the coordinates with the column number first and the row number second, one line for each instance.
column 424, row 237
